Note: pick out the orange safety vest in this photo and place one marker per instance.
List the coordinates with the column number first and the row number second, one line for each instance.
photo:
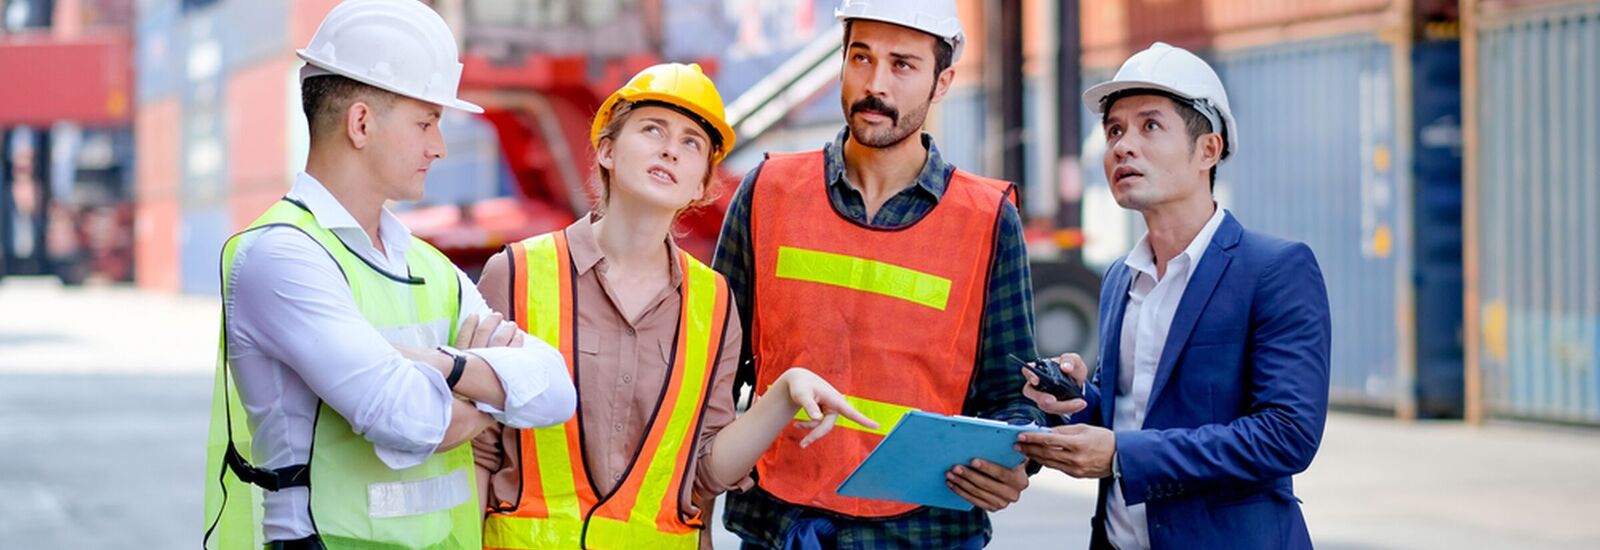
column 890, row 317
column 559, row 506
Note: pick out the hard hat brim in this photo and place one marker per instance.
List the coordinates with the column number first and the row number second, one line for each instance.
column 725, row 132
column 318, row 67
column 957, row 43
column 1095, row 96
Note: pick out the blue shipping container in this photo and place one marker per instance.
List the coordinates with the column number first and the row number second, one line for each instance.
column 1320, row 160
column 201, row 234
column 1537, row 238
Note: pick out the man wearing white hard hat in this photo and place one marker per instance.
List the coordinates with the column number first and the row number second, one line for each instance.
column 1212, row 388
column 896, row 276
column 355, row 359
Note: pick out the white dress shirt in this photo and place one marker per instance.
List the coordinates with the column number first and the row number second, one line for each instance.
column 295, row 336
column 1152, row 302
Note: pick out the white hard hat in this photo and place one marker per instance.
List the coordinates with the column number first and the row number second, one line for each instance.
column 401, row 46
column 935, row 17
column 1173, row 70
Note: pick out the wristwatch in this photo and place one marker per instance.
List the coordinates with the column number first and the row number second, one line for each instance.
column 458, row 366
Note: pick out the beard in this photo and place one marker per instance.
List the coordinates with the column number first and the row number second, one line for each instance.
column 901, row 125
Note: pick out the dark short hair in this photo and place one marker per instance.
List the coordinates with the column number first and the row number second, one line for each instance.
column 1197, row 124
column 943, row 54
column 325, row 98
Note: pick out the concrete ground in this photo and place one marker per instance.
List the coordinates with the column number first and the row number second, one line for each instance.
column 104, row 394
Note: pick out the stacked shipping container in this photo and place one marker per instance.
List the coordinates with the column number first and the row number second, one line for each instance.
column 1534, row 287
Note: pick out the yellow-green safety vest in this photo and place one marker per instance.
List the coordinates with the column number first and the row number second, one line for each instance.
column 357, row 501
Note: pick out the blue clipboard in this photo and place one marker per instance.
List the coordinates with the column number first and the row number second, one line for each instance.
column 910, row 463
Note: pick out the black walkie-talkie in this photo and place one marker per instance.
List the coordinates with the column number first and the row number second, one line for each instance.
column 1051, row 379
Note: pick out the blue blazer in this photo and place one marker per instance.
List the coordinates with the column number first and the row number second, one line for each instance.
column 1238, row 403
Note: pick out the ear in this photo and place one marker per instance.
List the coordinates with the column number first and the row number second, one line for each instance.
column 711, row 177
column 941, row 84
column 358, row 121
column 1209, row 146
column 605, row 154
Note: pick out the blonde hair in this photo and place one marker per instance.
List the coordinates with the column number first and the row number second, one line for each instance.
column 619, row 117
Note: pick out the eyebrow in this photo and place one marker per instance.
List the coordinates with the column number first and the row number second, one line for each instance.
column 896, row 55
column 693, row 130
column 1147, row 113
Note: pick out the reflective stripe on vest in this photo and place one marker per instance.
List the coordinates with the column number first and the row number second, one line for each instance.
column 559, row 507
column 864, row 275
column 891, row 318
column 887, row 415
column 357, row 501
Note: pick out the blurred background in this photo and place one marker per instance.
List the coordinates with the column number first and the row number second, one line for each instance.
column 1440, row 157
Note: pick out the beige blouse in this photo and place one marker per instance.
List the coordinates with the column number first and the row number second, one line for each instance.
column 623, row 368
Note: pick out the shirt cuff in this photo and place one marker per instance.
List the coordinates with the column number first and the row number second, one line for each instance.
column 400, row 459
column 535, row 381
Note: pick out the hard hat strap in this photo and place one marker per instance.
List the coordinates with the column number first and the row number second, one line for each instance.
column 1210, row 112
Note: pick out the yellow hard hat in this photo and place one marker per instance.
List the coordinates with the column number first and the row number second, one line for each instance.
column 683, row 86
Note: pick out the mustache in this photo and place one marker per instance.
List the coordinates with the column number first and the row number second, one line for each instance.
column 872, row 103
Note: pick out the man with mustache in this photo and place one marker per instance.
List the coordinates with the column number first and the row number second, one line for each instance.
column 886, row 270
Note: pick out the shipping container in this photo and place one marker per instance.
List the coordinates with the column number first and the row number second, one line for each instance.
column 1113, row 30
column 1534, row 288
column 201, row 234
column 255, row 31
column 158, row 51
column 1321, row 161
column 158, row 175
column 155, row 247
column 86, row 79
column 259, row 113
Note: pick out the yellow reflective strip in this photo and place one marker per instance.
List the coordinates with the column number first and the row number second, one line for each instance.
column 608, row 534
column 501, row 531
column 886, row 414
column 544, row 297
column 864, row 275
column 544, row 316
column 701, row 285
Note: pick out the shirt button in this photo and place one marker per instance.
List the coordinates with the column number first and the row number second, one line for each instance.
column 629, row 330
column 616, row 477
column 617, row 426
column 627, row 378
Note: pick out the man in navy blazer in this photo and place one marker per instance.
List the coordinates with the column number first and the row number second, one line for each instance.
column 1212, row 388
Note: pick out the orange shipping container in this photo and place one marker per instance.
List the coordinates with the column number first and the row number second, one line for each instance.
column 155, row 248
column 1114, row 29
column 156, row 190
column 258, row 120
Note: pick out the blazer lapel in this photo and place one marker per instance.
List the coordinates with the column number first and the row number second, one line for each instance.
column 1193, row 303
column 1111, row 334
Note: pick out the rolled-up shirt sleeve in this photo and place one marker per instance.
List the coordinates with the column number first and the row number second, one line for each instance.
column 302, row 314
column 719, row 412
column 539, row 391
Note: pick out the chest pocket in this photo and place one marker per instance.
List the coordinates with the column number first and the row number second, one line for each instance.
column 667, row 350
column 588, row 346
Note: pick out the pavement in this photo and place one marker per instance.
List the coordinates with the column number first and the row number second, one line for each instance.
column 104, row 393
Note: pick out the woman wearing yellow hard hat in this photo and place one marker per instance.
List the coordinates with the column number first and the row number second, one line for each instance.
column 651, row 336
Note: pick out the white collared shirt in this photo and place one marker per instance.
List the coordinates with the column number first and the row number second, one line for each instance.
column 1152, row 303
column 295, row 336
